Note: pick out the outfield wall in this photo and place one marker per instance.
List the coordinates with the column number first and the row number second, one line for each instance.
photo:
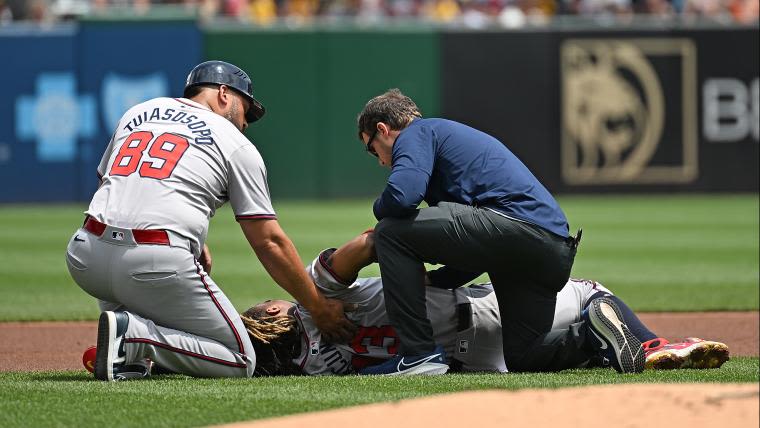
column 313, row 84
column 588, row 111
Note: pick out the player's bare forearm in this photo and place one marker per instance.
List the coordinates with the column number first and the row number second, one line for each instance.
column 354, row 255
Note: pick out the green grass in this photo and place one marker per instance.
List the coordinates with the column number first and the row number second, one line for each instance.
column 75, row 399
column 658, row 253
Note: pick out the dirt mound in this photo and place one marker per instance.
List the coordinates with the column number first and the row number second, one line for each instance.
column 637, row 405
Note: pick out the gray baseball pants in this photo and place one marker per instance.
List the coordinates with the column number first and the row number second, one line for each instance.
column 178, row 317
column 527, row 266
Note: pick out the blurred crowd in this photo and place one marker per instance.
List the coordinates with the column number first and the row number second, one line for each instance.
column 466, row 13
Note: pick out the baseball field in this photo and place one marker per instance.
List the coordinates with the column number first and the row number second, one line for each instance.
column 661, row 254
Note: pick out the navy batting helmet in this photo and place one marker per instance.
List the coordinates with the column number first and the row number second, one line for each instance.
column 224, row 73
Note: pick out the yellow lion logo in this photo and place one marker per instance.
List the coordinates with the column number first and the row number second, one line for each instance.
column 613, row 109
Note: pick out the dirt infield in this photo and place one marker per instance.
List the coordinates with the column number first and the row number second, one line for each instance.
column 687, row 405
column 59, row 346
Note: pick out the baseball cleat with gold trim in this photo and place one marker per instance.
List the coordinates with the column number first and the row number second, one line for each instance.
column 692, row 353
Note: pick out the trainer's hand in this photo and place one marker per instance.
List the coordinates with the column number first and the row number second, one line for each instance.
column 332, row 322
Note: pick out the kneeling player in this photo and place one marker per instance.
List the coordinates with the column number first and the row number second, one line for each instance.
column 465, row 320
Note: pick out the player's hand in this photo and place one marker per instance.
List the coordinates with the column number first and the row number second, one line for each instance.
column 332, row 323
column 205, row 259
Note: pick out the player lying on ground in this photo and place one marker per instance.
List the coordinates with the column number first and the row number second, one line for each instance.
column 465, row 321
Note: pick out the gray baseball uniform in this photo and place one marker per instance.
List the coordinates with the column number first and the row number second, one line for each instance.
column 170, row 164
column 466, row 322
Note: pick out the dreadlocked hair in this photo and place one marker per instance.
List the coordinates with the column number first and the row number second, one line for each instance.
column 268, row 329
column 276, row 341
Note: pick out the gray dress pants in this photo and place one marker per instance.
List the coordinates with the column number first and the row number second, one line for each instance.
column 527, row 266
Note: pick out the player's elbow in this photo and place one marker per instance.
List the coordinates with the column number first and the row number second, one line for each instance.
column 270, row 243
column 264, row 245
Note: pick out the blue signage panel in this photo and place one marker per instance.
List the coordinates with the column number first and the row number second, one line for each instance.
column 66, row 90
column 43, row 115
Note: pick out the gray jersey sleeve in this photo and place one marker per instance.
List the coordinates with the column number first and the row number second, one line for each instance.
column 103, row 165
column 325, row 278
column 248, row 188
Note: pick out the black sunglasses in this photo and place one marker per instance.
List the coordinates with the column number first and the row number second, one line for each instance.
column 371, row 140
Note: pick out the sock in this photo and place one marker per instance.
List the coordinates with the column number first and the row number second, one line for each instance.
column 631, row 320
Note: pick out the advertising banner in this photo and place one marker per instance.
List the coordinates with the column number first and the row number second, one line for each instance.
column 615, row 111
column 44, row 115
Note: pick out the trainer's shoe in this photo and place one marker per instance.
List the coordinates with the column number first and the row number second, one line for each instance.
column 110, row 355
column 433, row 363
column 611, row 337
column 692, row 353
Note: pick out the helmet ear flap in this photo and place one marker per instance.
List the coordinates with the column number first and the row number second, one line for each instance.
column 255, row 112
column 224, row 73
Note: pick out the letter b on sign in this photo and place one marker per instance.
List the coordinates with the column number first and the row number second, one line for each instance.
column 730, row 110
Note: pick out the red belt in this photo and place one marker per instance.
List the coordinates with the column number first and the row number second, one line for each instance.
column 141, row 236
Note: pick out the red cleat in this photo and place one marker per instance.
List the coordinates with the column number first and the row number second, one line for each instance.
column 692, row 353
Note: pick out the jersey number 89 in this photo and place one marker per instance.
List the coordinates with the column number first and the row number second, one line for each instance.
column 167, row 147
